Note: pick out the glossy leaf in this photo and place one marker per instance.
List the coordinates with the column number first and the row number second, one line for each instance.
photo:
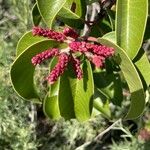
column 66, row 99
column 75, row 96
column 71, row 18
column 26, row 41
column 148, row 6
column 111, row 15
column 103, row 108
column 49, row 9
column 95, row 112
column 109, row 85
column 50, row 103
column 143, row 66
column 147, row 31
column 80, row 8
column 84, row 94
column 141, row 60
column 133, row 80
column 110, row 36
column 101, row 103
column 68, row 14
column 22, row 70
column 130, row 24
column 36, row 17
column 101, row 28
column 77, row 7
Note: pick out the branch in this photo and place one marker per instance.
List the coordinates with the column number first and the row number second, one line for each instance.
column 91, row 15
column 99, row 136
column 95, row 12
column 107, row 130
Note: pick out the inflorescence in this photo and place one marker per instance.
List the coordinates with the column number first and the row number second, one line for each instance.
column 96, row 53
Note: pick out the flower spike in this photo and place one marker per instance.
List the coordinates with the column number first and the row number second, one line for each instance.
column 59, row 68
column 76, row 66
column 44, row 55
column 49, row 34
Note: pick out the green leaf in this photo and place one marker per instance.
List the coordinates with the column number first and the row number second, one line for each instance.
column 22, row 70
column 103, row 108
column 36, row 17
column 80, row 8
column 143, row 67
column 71, row 18
column 69, row 11
column 110, row 37
column 51, row 104
column 111, row 15
column 49, row 9
column 130, row 24
column 84, row 94
column 26, row 41
column 95, row 112
column 149, row 7
column 133, row 80
column 77, row 7
column 101, row 28
column 101, row 103
column 141, row 60
column 147, row 31
column 66, row 99
column 75, row 96
column 109, row 85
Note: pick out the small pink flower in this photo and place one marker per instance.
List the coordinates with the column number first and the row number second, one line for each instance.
column 98, row 61
column 76, row 66
column 78, row 47
column 70, row 32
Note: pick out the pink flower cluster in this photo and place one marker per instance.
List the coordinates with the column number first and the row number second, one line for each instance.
column 94, row 48
column 96, row 53
column 99, row 52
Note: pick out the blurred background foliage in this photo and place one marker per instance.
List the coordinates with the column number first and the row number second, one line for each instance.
column 24, row 127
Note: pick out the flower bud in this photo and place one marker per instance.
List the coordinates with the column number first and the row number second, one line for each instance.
column 78, row 47
column 98, row 61
column 70, row 32
column 76, row 66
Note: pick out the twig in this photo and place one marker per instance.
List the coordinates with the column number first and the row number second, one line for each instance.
column 95, row 12
column 107, row 130
column 91, row 15
column 99, row 136
column 86, row 29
